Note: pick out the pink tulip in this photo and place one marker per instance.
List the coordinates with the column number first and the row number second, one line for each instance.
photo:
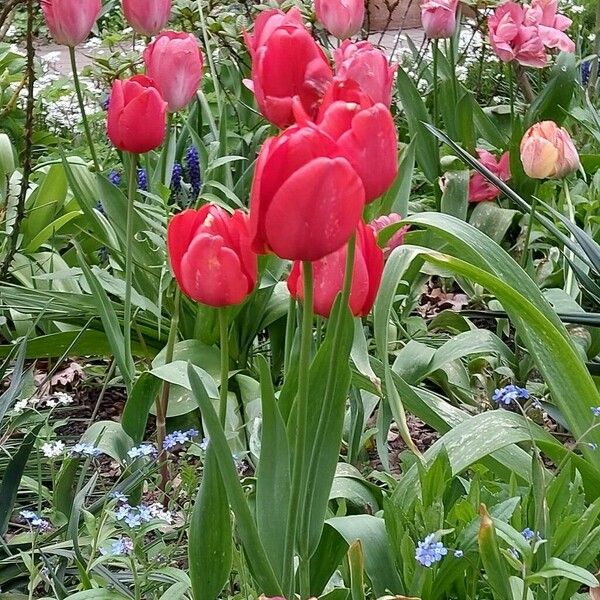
column 365, row 134
column 381, row 223
column 286, row 63
column 480, row 189
column 547, row 151
column 70, row 21
column 543, row 14
column 147, row 17
column 174, row 61
column 342, row 18
column 438, row 18
column 368, row 67
column 512, row 40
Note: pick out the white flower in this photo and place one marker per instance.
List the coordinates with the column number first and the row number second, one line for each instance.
column 591, row 37
column 577, row 9
column 20, row 406
column 53, row 449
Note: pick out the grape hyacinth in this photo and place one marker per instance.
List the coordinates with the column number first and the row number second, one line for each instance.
column 510, row 393
column 115, row 177
column 34, row 521
column 176, row 177
column 192, row 161
column 179, row 438
column 586, row 68
column 429, row 551
column 142, row 178
column 122, row 546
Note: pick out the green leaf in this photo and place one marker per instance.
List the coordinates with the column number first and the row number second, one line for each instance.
column 137, row 407
column 455, row 198
column 426, row 147
column 96, row 595
column 273, row 478
column 396, row 198
column 177, row 591
column 210, row 534
column 356, row 563
column 258, row 562
column 493, row 563
column 11, row 479
column 10, row 395
column 51, row 229
column 110, row 322
column 110, row 437
column 557, row 567
column 492, row 219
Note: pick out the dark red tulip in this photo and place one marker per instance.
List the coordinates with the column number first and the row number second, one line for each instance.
column 328, row 276
column 210, row 255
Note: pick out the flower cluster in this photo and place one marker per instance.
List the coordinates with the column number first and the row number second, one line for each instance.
column 53, row 449
column 510, row 393
column 122, row 546
column 430, row 551
column 145, row 449
column 192, row 165
column 84, row 449
column 179, row 438
column 135, row 516
column 35, row 521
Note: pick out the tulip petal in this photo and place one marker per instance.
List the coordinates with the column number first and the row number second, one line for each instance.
column 315, row 210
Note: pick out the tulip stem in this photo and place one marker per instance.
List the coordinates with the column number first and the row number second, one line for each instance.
column 525, row 255
column 129, row 258
column 511, row 94
column 298, row 475
column 86, row 125
column 165, row 158
column 290, row 329
column 162, row 406
column 569, row 254
column 211, row 62
column 224, row 335
column 435, row 83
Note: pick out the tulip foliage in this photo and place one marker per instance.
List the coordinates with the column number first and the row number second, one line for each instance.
column 335, row 303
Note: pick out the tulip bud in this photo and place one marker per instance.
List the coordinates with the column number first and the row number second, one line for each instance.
column 438, row 18
column 7, row 156
column 137, row 115
column 328, row 276
column 147, row 17
column 70, row 21
column 210, row 255
column 547, row 151
column 342, row 18
column 480, row 189
column 174, row 62
column 394, row 240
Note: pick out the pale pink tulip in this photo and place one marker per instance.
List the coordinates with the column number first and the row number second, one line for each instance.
column 547, row 151
column 342, row 18
column 147, row 17
column 438, row 18
column 70, row 21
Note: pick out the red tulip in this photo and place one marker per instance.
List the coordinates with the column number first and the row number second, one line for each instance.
column 328, row 276
column 147, row 17
column 286, row 62
column 210, row 255
column 366, row 65
column 136, row 115
column 342, row 18
column 306, row 199
column 174, row 61
column 480, row 189
column 70, row 21
column 438, row 18
column 365, row 133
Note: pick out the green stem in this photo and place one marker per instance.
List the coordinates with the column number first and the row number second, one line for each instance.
column 290, row 329
column 511, row 93
column 211, row 62
column 165, row 158
column 224, row 334
column 435, row 83
column 525, row 255
column 86, row 125
column 569, row 254
column 129, row 258
column 453, row 69
column 295, row 508
column 162, row 404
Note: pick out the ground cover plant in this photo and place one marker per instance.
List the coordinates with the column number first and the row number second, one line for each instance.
column 293, row 309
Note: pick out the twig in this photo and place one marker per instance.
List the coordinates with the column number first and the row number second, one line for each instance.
column 20, row 213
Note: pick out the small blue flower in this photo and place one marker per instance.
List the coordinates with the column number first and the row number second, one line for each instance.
column 510, row 393
column 429, row 551
column 204, row 444
column 83, row 449
column 176, row 176
column 458, row 554
column 528, row 534
column 34, row 520
column 596, row 411
column 134, row 516
column 192, row 162
column 122, row 546
column 115, row 177
column 142, row 178
column 179, row 438
column 119, row 497
column 145, row 449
